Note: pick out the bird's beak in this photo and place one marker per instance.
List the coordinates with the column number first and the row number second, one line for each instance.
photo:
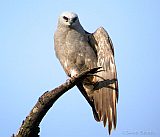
column 70, row 22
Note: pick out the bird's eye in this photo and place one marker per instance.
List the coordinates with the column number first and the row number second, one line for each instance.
column 64, row 17
column 74, row 19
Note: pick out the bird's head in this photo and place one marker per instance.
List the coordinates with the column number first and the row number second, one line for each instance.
column 69, row 19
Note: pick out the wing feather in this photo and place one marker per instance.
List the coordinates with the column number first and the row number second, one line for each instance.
column 105, row 93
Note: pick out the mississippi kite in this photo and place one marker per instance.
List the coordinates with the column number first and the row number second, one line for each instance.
column 78, row 50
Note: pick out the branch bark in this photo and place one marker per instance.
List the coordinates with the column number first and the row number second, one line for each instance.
column 30, row 126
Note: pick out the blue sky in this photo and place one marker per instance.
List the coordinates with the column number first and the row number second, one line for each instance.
column 29, row 66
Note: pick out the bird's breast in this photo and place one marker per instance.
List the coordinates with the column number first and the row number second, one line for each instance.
column 74, row 51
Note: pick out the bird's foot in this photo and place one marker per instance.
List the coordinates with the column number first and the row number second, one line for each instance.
column 74, row 73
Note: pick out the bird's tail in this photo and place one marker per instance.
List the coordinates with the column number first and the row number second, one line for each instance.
column 91, row 103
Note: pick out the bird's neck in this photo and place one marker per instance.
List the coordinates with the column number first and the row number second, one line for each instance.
column 78, row 28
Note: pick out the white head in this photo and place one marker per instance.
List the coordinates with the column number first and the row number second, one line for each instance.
column 69, row 19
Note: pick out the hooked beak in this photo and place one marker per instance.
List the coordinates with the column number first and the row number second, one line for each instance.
column 70, row 22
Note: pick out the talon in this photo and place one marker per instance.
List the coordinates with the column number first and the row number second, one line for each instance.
column 68, row 80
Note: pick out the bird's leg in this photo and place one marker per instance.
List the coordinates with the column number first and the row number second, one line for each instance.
column 72, row 73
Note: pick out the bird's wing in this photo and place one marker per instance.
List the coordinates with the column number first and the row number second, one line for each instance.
column 105, row 92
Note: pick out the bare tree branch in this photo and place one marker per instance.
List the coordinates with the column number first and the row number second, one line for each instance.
column 30, row 126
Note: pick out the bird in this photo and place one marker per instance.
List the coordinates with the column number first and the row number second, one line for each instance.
column 78, row 50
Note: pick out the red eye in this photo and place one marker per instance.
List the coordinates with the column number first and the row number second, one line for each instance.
column 74, row 19
column 64, row 17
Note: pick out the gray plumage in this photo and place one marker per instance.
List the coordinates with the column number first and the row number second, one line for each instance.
column 77, row 51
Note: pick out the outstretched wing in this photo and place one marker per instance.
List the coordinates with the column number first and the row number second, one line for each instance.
column 105, row 92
